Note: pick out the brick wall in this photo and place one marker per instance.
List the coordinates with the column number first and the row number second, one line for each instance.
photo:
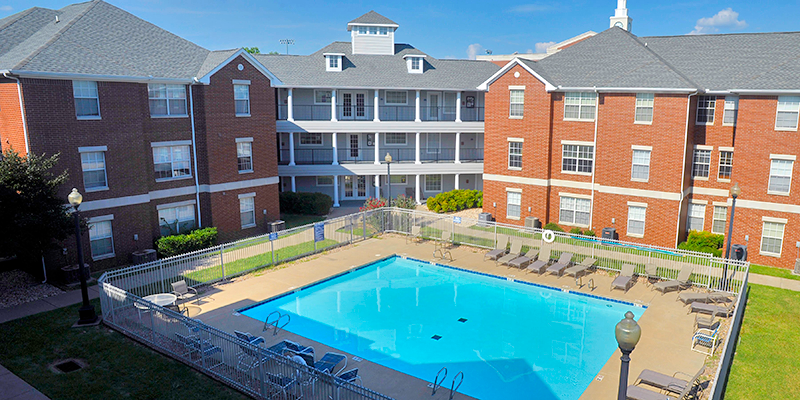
column 12, row 134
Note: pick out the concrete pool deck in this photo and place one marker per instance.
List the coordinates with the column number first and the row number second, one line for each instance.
column 667, row 328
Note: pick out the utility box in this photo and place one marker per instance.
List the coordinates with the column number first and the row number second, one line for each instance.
column 277, row 226
column 797, row 266
column 483, row 218
column 739, row 252
column 532, row 222
column 610, row 233
column 143, row 256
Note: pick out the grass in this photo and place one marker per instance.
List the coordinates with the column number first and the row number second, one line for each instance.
column 118, row 368
column 295, row 220
column 772, row 271
column 765, row 365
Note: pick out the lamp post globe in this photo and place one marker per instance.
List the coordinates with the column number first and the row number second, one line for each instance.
column 627, row 333
column 388, row 160
column 75, row 198
column 86, row 313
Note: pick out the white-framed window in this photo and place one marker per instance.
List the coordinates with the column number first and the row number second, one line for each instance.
column 93, row 164
column 241, row 96
column 515, row 154
column 730, row 112
column 87, row 101
column 780, row 176
column 719, row 219
column 725, row 164
column 701, row 163
column 172, row 162
column 577, row 158
column 772, row 238
column 788, row 110
column 416, row 63
column 176, row 220
column 580, row 106
column 395, row 139
column 333, row 62
column 696, row 217
column 247, row 210
column 705, row 110
column 396, row 97
column 640, row 165
column 399, row 180
column 644, row 108
column 433, row 183
column 323, row 96
column 636, row 218
column 516, row 108
column 373, row 30
column 101, row 239
column 324, row 180
column 244, row 156
column 167, row 100
column 513, row 204
column 310, row 139
column 574, row 211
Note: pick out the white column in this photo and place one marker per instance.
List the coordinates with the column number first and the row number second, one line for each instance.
column 336, row 190
column 289, row 107
column 458, row 106
column 416, row 160
column 335, row 141
column 375, row 102
column 377, row 148
column 291, row 150
column 333, row 105
column 458, row 177
column 458, row 148
column 294, row 184
column 416, row 190
column 377, row 186
column 416, row 112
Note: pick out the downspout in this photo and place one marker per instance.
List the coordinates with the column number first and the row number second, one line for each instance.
column 44, row 271
column 22, row 111
column 594, row 167
column 194, row 154
column 683, row 167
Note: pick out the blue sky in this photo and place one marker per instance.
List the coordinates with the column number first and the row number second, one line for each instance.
column 454, row 29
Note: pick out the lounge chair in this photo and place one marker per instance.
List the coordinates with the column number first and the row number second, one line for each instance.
column 183, row 291
column 669, row 383
column 640, row 393
column 328, row 362
column 714, row 297
column 502, row 243
column 625, row 279
column 515, row 252
column 522, row 262
column 677, row 284
column 247, row 356
column 351, row 376
column 712, row 309
column 204, row 348
column 710, row 322
column 580, row 268
column 249, row 338
column 563, row 262
column 541, row 263
column 416, row 233
column 177, row 308
column 707, row 338
column 651, row 273
column 289, row 345
column 283, row 383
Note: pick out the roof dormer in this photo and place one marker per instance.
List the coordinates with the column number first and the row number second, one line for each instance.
column 333, row 61
column 415, row 63
column 372, row 33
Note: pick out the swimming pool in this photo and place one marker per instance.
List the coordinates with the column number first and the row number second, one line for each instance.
column 512, row 340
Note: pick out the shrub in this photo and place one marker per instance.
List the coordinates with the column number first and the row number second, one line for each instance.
column 455, row 200
column 589, row 232
column 373, row 203
column 178, row 244
column 404, row 201
column 305, row 203
column 576, row 231
column 704, row 242
column 552, row 226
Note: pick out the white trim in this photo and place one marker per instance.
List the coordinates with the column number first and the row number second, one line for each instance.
column 220, row 187
column 696, row 201
column 171, row 143
column 246, row 195
column 788, row 157
column 386, row 97
column 577, row 143
column 719, row 203
column 623, row 89
column 363, row 24
column 645, row 148
column 386, row 135
column 334, row 54
column 100, row 218
column 521, row 140
column 178, row 204
column 241, row 81
column 92, row 149
column 274, row 81
column 244, row 140
column 653, row 194
column 708, row 191
column 516, row 87
column 774, row 219
column 516, row 190
column 635, row 204
column 414, row 56
column 516, row 61
column 425, row 183
column 574, row 195
column 703, row 147
column 725, row 148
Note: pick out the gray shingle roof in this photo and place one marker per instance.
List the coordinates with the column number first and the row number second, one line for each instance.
column 376, row 71
column 372, row 18
column 214, row 59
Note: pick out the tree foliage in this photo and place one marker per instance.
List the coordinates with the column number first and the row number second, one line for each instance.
column 252, row 50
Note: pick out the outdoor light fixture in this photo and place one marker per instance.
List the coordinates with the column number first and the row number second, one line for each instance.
column 86, row 312
column 388, row 160
column 735, row 192
column 627, row 333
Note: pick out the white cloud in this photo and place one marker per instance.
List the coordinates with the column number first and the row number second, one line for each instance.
column 726, row 18
column 6, row 8
column 530, row 8
column 473, row 50
column 541, row 47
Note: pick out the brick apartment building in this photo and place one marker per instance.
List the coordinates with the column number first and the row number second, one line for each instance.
column 158, row 134
column 647, row 135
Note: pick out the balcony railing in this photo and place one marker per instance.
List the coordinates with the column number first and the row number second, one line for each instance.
column 385, row 113
column 366, row 155
column 471, row 155
column 360, row 155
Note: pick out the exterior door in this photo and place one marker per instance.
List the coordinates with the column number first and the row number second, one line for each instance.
column 354, row 105
column 354, row 152
column 434, row 106
column 355, row 186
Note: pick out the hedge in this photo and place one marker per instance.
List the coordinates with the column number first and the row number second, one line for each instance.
column 455, row 200
column 305, row 203
column 552, row 226
column 704, row 242
column 178, row 244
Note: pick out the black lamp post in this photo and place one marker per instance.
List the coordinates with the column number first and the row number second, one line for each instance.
column 388, row 160
column 735, row 192
column 628, row 333
column 86, row 312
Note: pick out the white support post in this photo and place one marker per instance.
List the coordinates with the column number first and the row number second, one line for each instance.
column 377, row 148
column 416, row 189
column 458, row 148
column 375, row 102
column 335, row 141
column 458, row 106
column 377, row 186
column 333, row 105
column 416, row 112
column 294, row 184
column 289, row 107
column 458, row 177
column 336, row 190
column 291, row 149
column 416, row 159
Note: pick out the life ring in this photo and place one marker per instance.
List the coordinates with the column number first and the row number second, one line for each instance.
column 549, row 236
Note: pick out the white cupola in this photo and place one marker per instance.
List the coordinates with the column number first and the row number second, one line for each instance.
column 372, row 33
column 621, row 18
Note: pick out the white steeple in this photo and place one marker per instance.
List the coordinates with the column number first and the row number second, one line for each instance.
column 621, row 18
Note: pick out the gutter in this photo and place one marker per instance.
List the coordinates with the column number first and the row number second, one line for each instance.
column 594, row 167
column 97, row 77
column 21, row 110
column 683, row 166
column 194, row 154
column 623, row 90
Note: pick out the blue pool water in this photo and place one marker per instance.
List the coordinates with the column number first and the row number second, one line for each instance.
column 519, row 341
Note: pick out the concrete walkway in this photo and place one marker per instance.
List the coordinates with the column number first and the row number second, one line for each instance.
column 14, row 388
column 774, row 281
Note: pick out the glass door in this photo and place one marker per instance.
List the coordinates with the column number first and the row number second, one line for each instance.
column 347, row 105
column 355, row 186
column 434, row 106
column 360, row 110
column 362, row 186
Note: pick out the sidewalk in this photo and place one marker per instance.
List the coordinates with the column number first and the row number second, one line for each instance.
column 774, row 281
column 45, row 304
column 17, row 389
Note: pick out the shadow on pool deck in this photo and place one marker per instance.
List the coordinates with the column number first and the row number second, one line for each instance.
column 667, row 327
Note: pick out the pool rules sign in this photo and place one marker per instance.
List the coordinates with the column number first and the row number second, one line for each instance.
column 319, row 232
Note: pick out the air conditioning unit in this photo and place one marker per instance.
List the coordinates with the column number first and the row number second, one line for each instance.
column 277, row 226
column 143, row 256
column 739, row 252
column 483, row 218
column 610, row 233
column 532, row 222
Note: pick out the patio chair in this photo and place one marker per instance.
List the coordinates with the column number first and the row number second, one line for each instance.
column 677, row 284
column 640, row 393
column 248, row 357
column 515, row 252
column 651, row 273
column 522, row 262
column 707, row 338
column 502, row 243
column 329, row 361
column 177, row 308
column 443, row 247
column 184, row 291
column 249, row 338
column 625, row 279
column 563, row 262
column 580, row 268
column 669, row 383
column 710, row 322
column 289, row 345
column 713, row 297
column 204, row 348
column 416, row 233
column 541, row 263
column 713, row 309
column 351, row 376
column 280, row 382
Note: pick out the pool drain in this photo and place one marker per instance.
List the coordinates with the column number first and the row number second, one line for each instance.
column 67, row 366
column 462, row 320
column 436, row 337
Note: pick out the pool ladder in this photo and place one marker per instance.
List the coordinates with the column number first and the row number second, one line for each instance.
column 276, row 323
column 437, row 383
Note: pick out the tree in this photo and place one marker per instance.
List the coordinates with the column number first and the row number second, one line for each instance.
column 273, row 53
column 252, row 50
column 32, row 216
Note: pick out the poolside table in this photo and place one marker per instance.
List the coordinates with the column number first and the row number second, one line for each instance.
column 160, row 299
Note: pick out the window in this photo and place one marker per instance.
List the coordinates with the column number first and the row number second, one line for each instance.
column 101, row 239
column 725, row 164
column 396, row 97
column 696, row 217
column 433, row 183
column 172, row 162
column 788, row 109
column 780, row 176
column 322, row 96
column 515, row 154
column 644, row 108
column 577, row 158
column 325, row 180
column 580, row 106
column 176, row 220
column 247, row 210
column 311, row 139
column 640, row 165
column 333, row 62
column 373, row 30
column 516, row 103
column 730, row 111
column 241, row 96
column 718, row 221
column 87, row 102
column 399, row 179
column 701, row 163
column 772, row 238
column 415, row 63
column 574, row 211
column 166, row 100
column 94, row 170
column 513, row 204
column 636, row 216
column 244, row 156
column 705, row 110
column 395, row 138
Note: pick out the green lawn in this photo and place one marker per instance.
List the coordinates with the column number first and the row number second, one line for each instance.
column 118, row 367
column 295, row 220
column 766, row 362
column 772, row 271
